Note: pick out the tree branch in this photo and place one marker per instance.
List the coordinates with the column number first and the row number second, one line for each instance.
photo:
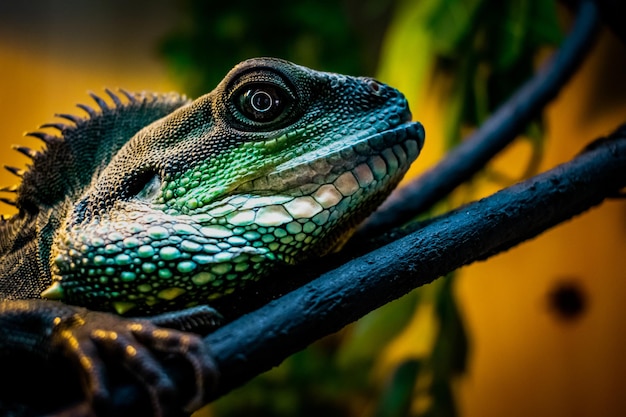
column 257, row 341
column 468, row 158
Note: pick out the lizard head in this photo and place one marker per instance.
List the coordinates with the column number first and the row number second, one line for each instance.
column 277, row 164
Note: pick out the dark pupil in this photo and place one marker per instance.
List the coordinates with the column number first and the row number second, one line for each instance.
column 261, row 101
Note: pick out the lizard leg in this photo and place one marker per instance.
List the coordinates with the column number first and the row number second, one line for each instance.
column 173, row 368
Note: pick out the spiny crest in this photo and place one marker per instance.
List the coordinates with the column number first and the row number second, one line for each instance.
column 69, row 158
column 8, row 189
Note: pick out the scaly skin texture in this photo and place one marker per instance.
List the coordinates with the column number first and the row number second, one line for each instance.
column 154, row 203
column 279, row 163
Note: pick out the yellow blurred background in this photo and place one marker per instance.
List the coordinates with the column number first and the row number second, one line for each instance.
column 526, row 358
column 52, row 54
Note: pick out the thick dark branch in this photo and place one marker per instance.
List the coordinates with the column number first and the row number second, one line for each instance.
column 501, row 128
column 262, row 339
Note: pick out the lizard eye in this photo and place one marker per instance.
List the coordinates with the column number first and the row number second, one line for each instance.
column 261, row 100
column 261, row 103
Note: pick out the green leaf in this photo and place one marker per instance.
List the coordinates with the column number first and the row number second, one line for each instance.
column 452, row 23
column 407, row 56
column 397, row 396
column 443, row 401
column 545, row 28
column 451, row 347
column 510, row 31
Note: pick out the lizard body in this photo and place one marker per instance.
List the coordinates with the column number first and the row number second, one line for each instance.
column 159, row 203
column 279, row 163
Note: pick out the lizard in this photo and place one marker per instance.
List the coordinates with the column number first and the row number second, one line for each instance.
column 159, row 203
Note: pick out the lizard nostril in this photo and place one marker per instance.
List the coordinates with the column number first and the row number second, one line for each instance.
column 374, row 86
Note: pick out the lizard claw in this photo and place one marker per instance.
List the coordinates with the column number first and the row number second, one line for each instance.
column 142, row 348
column 172, row 367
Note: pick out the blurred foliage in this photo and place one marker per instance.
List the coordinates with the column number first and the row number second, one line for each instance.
column 340, row 36
column 488, row 48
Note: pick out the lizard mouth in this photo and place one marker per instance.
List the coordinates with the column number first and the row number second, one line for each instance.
column 376, row 155
column 324, row 193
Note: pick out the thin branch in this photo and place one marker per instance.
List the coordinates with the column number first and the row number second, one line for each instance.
column 257, row 341
column 461, row 163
